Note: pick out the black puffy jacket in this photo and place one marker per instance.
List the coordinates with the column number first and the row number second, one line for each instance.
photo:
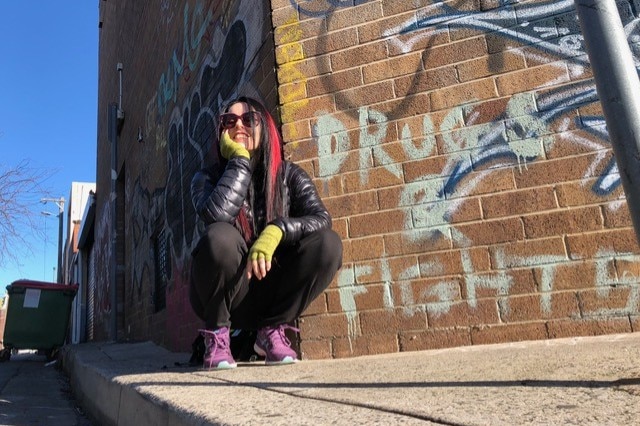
column 219, row 198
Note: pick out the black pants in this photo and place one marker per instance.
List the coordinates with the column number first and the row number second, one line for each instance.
column 221, row 295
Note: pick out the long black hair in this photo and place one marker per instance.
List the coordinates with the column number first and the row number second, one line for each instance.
column 267, row 166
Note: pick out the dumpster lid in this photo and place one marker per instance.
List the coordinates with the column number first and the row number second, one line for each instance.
column 42, row 285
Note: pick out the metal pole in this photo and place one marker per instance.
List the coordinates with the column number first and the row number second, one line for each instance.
column 618, row 88
column 60, row 225
column 60, row 203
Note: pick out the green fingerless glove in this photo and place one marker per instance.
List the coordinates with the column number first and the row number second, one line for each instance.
column 230, row 149
column 266, row 243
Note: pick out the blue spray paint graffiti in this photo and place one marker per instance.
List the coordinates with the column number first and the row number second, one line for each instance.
column 548, row 27
column 188, row 60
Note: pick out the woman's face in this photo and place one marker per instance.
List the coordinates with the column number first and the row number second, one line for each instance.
column 243, row 125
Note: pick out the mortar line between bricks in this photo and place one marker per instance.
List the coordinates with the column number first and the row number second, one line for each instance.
column 350, row 404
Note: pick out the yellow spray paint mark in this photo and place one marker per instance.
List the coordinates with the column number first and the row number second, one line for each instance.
column 294, row 97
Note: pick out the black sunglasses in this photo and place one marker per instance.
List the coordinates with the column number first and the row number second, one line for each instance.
column 249, row 119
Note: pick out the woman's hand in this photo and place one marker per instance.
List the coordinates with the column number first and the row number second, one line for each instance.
column 230, row 149
column 261, row 252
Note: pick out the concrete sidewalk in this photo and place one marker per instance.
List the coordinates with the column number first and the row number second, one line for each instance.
column 586, row 381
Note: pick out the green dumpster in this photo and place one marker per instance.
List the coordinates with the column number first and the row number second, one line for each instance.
column 37, row 317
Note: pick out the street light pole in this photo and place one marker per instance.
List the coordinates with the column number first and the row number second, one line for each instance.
column 60, row 203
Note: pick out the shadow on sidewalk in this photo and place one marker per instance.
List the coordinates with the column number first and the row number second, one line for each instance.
column 388, row 385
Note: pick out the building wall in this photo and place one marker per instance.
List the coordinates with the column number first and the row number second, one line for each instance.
column 77, row 202
column 4, row 303
column 180, row 62
column 74, row 272
column 459, row 146
column 464, row 157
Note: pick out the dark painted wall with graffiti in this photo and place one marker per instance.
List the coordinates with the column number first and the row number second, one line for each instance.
column 181, row 61
column 459, row 145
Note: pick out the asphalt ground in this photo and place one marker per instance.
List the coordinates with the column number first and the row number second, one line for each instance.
column 36, row 392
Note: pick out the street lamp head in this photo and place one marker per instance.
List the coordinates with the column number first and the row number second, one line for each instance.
column 58, row 201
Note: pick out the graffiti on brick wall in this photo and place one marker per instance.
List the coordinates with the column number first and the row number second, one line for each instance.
column 549, row 29
column 530, row 125
column 185, row 58
column 145, row 207
column 141, row 227
column 102, row 246
column 213, row 60
column 191, row 128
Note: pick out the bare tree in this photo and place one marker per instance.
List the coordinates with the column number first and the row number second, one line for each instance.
column 21, row 188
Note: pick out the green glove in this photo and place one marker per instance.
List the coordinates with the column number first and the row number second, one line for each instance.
column 230, row 149
column 266, row 243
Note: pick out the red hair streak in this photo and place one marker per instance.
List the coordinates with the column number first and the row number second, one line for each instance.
column 274, row 165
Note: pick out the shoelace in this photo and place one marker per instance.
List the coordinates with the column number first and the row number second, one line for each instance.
column 280, row 331
column 212, row 339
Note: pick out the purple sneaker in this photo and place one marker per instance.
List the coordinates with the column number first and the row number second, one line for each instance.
column 217, row 355
column 272, row 344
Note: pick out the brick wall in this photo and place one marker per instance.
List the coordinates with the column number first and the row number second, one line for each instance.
column 459, row 146
column 463, row 154
column 181, row 61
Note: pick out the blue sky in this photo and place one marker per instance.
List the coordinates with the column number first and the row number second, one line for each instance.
column 48, row 110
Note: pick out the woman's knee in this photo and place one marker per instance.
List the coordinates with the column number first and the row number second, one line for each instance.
column 220, row 248
column 219, row 238
column 327, row 246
